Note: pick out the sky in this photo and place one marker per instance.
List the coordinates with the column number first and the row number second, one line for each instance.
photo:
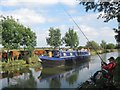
column 40, row 15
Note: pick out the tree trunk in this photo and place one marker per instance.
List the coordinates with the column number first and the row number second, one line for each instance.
column 118, row 19
column 8, row 60
column 27, row 57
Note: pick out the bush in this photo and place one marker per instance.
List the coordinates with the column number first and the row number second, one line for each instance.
column 118, row 62
column 117, row 70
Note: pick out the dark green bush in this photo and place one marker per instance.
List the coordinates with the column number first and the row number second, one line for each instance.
column 117, row 71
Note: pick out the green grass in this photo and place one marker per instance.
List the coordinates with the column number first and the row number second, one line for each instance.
column 93, row 52
column 33, row 61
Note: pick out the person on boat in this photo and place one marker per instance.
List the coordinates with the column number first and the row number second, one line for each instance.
column 108, row 69
column 56, row 53
column 50, row 53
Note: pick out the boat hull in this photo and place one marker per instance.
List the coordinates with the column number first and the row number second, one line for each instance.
column 51, row 61
column 54, row 62
column 82, row 58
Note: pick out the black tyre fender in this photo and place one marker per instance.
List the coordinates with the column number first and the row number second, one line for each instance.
column 97, row 75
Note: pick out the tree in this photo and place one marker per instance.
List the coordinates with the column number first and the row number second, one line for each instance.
column 93, row 45
column 71, row 39
column 28, row 39
column 109, row 9
column 80, row 47
column 103, row 44
column 15, row 35
column 110, row 46
column 54, row 38
column 10, row 37
column 73, row 78
column 117, row 37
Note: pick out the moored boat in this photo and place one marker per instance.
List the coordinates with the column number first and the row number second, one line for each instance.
column 59, row 57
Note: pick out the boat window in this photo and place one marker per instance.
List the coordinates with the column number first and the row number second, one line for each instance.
column 68, row 53
column 71, row 54
column 64, row 54
column 56, row 53
column 80, row 53
column 86, row 52
column 61, row 54
column 75, row 54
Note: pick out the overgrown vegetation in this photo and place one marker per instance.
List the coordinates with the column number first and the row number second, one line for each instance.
column 117, row 72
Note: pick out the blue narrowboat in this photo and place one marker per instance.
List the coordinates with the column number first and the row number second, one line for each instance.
column 59, row 57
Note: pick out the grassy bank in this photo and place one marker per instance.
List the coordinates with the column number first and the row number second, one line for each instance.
column 93, row 52
column 33, row 61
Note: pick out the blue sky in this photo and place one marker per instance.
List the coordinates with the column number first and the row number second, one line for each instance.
column 40, row 15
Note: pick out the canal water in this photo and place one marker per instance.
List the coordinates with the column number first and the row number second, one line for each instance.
column 57, row 77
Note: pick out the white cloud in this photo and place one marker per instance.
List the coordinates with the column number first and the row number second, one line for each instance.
column 41, row 36
column 69, row 2
column 107, row 32
column 87, row 19
column 29, row 16
column 41, row 39
column 8, row 2
column 26, row 16
column 36, row 2
column 52, row 20
column 90, row 31
column 73, row 11
column 95, row 34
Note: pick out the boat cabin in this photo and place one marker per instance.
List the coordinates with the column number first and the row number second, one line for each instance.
column 60, row 53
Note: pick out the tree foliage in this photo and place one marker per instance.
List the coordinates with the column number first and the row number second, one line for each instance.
column 0, row 32
column 29, row 38
column 103, row 44
column 110, row 46
column 54, row 38
column 117, row 37
column 15, row 35
column 71, row 38
column 93, row 45
column 80, row 47
column 110, row 9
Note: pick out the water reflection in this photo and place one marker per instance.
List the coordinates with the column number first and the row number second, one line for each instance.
column 57, row 77
column 72, row 79
column 22, row 78
column 55, row 83
column 33, row 77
